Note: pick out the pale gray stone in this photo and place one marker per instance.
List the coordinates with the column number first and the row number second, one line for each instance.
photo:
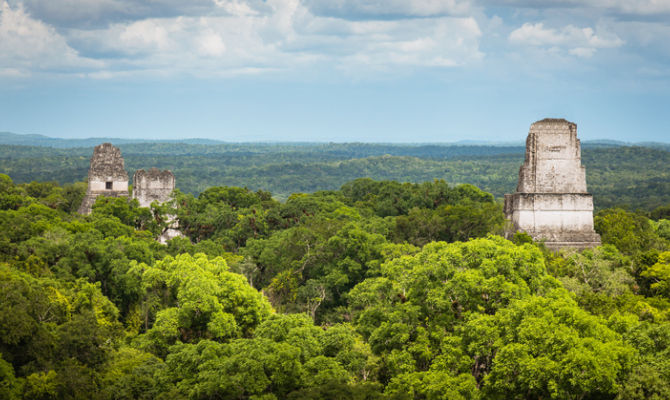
column 106, row 176
column 152, row 185
column 551, row 202
column 156, row 185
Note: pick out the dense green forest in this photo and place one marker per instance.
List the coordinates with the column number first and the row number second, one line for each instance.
column 635, row 177
column 375, row 290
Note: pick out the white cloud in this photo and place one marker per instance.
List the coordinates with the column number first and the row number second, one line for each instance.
column 13, row 73
column 211, row 44
column 101, row 13
column 29, row 45
column 581, row 42
column 236, row 7
column 442, row 43
column 631, row 7
column 584, row 52
column 357, row 9
column 142, row 36
column 640, row 7
column 279, row 35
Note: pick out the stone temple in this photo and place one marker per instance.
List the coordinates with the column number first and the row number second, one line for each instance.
column 551, row 203
column 156, row 185
column 152, row 185
column 106, row 176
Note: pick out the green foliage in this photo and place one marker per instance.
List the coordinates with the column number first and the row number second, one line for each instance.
column 521, row 238
column 55, row 334
column 131, row 374
column 601, row 270
column 629, row 232
column 227, row 216
column 191, row 298
column 548, row 347
column 618, row 175
column 332, row 241
column 10, row 387
column 516, row 332
column 366, row 304
column 127, row 211
column 660, row 274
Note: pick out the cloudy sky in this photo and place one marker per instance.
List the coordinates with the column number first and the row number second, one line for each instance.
column 334, row 70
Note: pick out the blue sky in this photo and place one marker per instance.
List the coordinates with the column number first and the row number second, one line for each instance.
column 334, row 70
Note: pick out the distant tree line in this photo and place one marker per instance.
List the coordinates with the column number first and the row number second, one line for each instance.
column 633, row 177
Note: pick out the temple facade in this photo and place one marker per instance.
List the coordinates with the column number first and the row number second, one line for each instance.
column 152, row 185
column 551, row 202
column 156, row 185
column 107, row 176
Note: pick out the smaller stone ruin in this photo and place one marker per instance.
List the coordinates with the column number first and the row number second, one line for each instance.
column 106, row 176
column 551, row 203
column 152, row 185
column 156, row 185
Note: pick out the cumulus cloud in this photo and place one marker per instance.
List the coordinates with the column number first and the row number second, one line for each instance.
column 627, row 7
column 581, row 42
column 108, row 38
column 640, row 7
column 29, row 45
column 361, row 9
column 251, row 37
column 444, row 43
column 100, row 13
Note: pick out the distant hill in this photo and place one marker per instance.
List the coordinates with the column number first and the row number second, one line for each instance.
column 16, row 139
column 45, row 141
column 618, row 173
column 633, row 176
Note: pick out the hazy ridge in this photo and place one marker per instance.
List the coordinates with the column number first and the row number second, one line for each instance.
column 617, row 173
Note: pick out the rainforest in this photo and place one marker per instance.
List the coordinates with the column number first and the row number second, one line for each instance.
column 376, row 290
column 334, row 199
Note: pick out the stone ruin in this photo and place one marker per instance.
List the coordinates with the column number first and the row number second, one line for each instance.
column 551, row 203
column 106, row 176
column 152, row 185
column 156, row 185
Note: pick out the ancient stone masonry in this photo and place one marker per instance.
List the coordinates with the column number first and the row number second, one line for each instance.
column 106, row 176
column 152, row 185
column 155, row 185
column 551, row 203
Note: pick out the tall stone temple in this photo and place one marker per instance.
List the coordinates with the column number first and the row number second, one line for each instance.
column 106, row 176
column 551, row 203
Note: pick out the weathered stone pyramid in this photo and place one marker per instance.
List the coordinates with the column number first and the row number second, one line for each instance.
column 106, row 176
column 551, row 202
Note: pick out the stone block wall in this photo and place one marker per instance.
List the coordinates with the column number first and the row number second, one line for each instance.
column 152, row 185
column 553, row 159
column 156, row 185
column 106, row 176
column 551, row 202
